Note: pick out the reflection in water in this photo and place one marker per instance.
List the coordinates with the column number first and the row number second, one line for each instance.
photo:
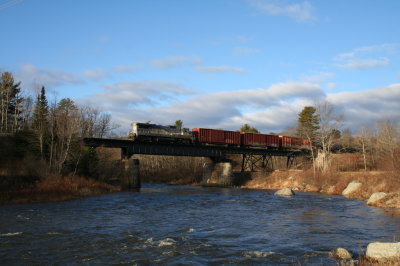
column 191, row 225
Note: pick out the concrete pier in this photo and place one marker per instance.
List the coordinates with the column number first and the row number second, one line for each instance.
column 217, row 174
column 131, row 178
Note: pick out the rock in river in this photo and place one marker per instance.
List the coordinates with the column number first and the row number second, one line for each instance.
column 341, row 253
column 284, row 192
column 383, row 251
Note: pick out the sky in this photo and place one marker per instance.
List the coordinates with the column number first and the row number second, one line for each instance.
column 214, row 64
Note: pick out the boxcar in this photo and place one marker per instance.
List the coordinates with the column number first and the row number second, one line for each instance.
column 285, row 142
column 259, row 140
column 216, row 136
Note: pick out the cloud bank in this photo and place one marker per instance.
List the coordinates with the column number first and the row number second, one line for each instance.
column 270, row 110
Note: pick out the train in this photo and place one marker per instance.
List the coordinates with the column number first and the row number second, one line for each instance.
column 146, row 132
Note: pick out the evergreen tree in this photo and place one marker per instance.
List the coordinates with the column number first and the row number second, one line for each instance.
column 308, row 123
column 40, row 119
column 179, row 123
column 247, row 128
column 307, row 127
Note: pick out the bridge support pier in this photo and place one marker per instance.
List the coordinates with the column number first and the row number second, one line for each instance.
column 131, row 178
column 218, row 174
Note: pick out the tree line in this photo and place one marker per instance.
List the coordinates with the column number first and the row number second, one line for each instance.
column 52, row 129
column 379, row 143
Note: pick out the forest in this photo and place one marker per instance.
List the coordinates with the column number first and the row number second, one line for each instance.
column 40, row 141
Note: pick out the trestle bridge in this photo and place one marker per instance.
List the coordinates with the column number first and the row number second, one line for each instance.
column 251, row 158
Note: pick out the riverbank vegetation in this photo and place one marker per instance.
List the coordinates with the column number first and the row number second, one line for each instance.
column 370, row 156
column 41, row 155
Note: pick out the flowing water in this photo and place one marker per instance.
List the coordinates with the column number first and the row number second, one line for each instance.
column 191, row 225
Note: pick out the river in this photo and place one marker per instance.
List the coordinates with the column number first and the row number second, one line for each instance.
column 191, row 225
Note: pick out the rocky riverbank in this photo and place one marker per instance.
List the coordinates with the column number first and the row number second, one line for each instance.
column 381, row 189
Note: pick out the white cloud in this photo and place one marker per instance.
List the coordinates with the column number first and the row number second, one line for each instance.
column 174, row 61
column 388, row 48
column 214, row 69
column 298, row 11
column 319, row 77
column 35, row 76
column 95, row 74
column 227, row 109
column 360, row 64
column 366, row 57
column 368, row 106
column 271, row 109
column 332, row 86
column 134, row 93
column 125, row 68
column 239, row 51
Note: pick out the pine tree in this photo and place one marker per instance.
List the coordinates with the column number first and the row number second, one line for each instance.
column 307, row 127
column 247, row 128
column 308, row 123
column 40, row 119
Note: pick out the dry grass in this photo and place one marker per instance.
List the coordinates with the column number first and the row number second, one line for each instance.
column 332, row 182
column 57, row 188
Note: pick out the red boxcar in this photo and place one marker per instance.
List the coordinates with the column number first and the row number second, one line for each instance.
column 285, row 142
column 216, row 136
column 306, row 143
column 292, row 142
column 260, row 140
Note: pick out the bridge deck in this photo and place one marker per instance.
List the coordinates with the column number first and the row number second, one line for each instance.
column 130, row 148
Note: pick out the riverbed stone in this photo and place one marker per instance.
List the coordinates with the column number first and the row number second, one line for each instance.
column 341, row 253
column 351, row 187
column 287, row 192
column 383, row 251
column 376, row 197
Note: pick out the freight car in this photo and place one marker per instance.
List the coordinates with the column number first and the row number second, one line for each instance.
column 259, row 140
column 205, row 136
column 216, row 136
column 286, row 142
column 159, row 133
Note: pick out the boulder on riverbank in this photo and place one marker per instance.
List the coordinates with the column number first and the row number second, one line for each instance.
column 391, row 200
column 375, row 197
column 351, row 188
column 383, row 251
column 286, row 192
column 341, row 253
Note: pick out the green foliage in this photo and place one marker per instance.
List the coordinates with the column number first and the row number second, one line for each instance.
column 179, row 123
column 247, row 128
column 308, row 122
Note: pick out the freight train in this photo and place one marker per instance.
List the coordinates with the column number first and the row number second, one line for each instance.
column 177, row 134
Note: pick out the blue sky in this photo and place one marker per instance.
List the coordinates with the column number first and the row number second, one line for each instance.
column 215, row 64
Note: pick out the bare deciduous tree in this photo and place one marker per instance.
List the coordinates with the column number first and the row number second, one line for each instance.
column 329, row 124
column 388, row 141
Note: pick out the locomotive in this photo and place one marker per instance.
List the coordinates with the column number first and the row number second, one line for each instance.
column 147, row 132
column 159, row 133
